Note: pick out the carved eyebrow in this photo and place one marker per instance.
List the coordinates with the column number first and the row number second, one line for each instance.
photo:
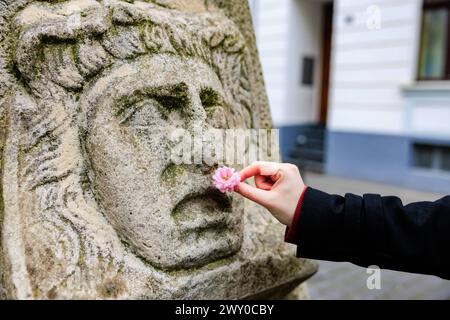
column 169, row 97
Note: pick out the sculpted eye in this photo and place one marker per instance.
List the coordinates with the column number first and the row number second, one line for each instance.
column 170, row 103
column 171, row 98
column 215, row 108
column 144, row 115
column 147, row 111
column 210, row 98
column 162, row 101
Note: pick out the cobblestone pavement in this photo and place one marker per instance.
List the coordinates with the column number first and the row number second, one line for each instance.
column 339, row 280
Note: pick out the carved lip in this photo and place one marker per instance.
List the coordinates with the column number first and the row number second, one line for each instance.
column 203, row 210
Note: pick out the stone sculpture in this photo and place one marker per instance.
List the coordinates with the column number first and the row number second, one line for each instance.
column 92, row 206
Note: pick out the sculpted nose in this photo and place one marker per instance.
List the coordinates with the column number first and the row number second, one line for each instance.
column 204, row 155
column 195, row 110
column 204, row 150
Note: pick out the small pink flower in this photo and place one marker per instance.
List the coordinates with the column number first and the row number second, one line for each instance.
column 226, row 179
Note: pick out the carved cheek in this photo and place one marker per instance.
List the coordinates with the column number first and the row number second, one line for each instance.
column 149, row 141
column 217, row 117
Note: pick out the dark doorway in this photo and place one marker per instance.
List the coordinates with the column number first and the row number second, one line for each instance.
column 326, row 59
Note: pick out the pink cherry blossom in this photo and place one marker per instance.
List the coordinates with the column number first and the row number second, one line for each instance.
column 226, row 179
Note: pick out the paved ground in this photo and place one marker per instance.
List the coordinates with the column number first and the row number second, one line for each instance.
column 346, row 281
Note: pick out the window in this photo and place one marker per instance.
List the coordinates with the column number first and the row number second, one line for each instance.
column 428, row 156
column 434, row 61
column 308, row 71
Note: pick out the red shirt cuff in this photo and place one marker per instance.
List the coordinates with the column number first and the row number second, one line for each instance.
column 291, row 232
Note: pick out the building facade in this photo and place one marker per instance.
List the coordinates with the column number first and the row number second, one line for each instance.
column 374, row 73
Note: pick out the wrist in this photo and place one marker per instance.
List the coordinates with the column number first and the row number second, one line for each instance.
column 291, row 230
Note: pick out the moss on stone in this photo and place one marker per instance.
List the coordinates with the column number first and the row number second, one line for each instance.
column 2, row 264
column 111, row 288
column 171, row 173
column 218, row 263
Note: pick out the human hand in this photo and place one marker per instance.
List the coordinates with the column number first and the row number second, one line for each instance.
column 278, row 188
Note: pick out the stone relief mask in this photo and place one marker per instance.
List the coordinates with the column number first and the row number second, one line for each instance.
column 167, row 212
column 101, row 85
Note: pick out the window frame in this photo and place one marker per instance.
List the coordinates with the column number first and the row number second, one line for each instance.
column 436, row 151
column 434, row 5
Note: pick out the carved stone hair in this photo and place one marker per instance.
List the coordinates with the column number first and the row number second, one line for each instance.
column 57, row 50
column 89, row 36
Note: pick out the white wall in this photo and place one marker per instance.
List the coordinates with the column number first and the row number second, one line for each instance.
column 271, row 21
column 286, row 30
column 428, row 110
column 370, row 66
column 305, row 39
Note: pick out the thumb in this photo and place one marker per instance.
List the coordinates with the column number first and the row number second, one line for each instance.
column 257, row 195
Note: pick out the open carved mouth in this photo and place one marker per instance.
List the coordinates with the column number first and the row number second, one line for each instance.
column 200, row 211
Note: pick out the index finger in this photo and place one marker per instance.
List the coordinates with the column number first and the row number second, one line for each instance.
column 262, row 168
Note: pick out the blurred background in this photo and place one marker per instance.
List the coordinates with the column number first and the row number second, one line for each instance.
column 360, row 90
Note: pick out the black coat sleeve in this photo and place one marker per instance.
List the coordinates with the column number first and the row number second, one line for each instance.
column 375, row 230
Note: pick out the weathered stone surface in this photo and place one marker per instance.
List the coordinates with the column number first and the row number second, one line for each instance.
column 92, row 205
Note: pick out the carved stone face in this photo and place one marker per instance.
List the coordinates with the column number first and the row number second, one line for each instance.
column 167, row 213
column 93, row 205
